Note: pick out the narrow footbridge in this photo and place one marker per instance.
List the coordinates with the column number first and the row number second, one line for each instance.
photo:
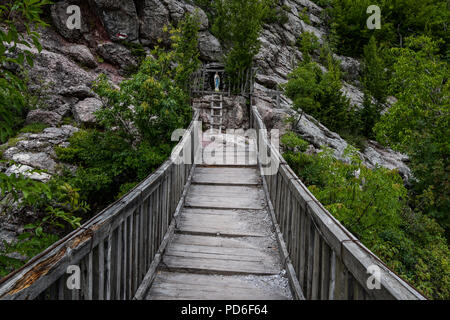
column 224, row 218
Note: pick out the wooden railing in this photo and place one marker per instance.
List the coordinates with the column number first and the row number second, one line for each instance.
column 116, row 248
column 328, row 261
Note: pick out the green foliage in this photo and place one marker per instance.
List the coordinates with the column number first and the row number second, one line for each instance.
column 106, row 161
column 33, row 128
column 318, row 94
column 185, row 45
column 418, row 124
column 371, row 204
column 375, row 85
column 294, row 143
column 307, row 43
column 399, row 19
column 15, row 14
column 32, row 193
column 304, row 16
column 375, row 74
column 276, row 13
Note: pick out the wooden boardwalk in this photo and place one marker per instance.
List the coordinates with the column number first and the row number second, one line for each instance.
column 224, row 246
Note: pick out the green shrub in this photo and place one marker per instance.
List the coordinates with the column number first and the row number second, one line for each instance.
column 318, row 94
column 238, row 24
column 33, row 128
column 307, row 43
column 418, row 124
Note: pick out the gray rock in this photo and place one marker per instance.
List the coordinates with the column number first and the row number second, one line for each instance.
column 209, row 47
column 154, row 16
column 81, row 54
column 84, row 110
column 26, row 171
column 178, row 10
column 117, row 54
column 119, row 17
column 44, row 116
column 53, row 75
column 79, row 92
column 355, row 95
column 39, row 160
column 350, row 66
column 59, row 17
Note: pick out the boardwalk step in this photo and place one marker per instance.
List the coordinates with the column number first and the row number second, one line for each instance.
column 231, row 176
column 224, row 222
column 225, row 197
column 174, row 285
column 203, row 254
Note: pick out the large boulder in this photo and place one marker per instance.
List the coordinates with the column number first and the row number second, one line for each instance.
column 81, row 54
column 154, row 16
column 179, row 9
column 119, row 17
column 44, row 116
column 84, row 110
column 117, row 54
column 53, row 75
column 209, row 47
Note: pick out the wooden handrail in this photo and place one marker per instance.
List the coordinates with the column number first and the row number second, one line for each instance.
column 116, row 247
column 329, row 262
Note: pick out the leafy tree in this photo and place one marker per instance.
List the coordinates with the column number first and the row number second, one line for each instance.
column 375, row 73
column 308, row 42
column 318, row 94
column 15, row 15
column 238, row 24
column 185, row 45
column 399, row 19
column 418, row 124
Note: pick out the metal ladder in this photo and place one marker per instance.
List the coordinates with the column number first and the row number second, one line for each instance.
column 216, row 105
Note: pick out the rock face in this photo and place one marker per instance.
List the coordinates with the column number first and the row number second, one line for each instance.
column 119, row 18
column 235, row 113
column 117, row 54
column 84, row 110
column 209, row 47
column 36, row 150
column 318, row 135
column 43, row 116
column 82, row 54
column 56, row 77
column 278, row 57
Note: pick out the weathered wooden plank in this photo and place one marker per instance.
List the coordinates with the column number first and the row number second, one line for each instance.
column 227, row 176
column 218, row 266
column 101, row 271
column 316, row 267
column 224, row 197
column 231, row 224
column 189, row 286
column 325, row 271
column 119, row 262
